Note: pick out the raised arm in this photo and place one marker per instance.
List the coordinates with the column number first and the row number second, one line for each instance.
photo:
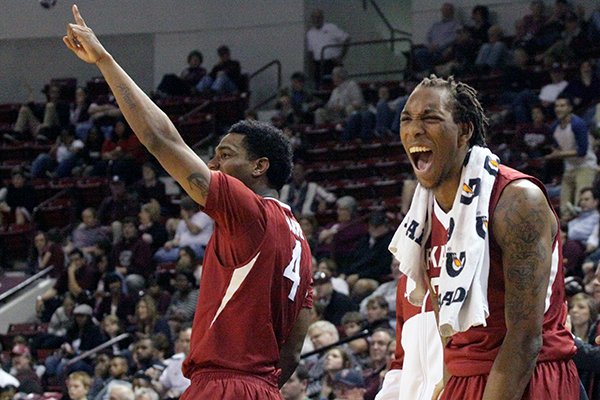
column 150, row 124
column 524, row 227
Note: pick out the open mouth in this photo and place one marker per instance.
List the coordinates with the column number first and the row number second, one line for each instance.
column 421, row 157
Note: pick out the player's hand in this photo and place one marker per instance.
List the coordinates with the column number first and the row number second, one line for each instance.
column 82, row 41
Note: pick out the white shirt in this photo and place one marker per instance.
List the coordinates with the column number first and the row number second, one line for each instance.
column 172, row 378
column 329, row 33
column 202, row 221
column 551, row 91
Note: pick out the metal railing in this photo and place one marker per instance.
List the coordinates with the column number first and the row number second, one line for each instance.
column 393, row 30
column 370, row 43
column 262, row 69
column 96, row 349
column 25, row 283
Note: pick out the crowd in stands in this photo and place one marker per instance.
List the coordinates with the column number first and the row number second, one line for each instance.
column 128, row 268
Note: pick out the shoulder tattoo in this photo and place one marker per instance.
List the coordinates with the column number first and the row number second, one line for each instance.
column 198, row 181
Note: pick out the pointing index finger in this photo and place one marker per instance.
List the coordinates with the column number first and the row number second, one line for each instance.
column 77, row 16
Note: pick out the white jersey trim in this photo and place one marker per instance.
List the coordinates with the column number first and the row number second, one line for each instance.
column 282, row 204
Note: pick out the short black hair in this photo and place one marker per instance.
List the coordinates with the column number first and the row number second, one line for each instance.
column 564, row 97
column 223, row 50
column 264, row 140
column 195, row 53
column 302, row 372
column 467, row 108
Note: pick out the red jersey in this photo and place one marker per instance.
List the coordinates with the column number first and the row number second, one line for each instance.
column 256, row 278
column 473, row 352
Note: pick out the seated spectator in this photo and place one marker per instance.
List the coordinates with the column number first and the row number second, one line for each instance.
column 145, row 356
column 122, row 154
column 88, row 233
column 17, row 200
column 378, row 351
column 301, row 102
column 573, row 42
column 193, row 229
column 387, row 289
column 349, row 384
column 376, row 120
column 369, row 258
column 63, row 157
column 80, row 279
column 309, row 226
column 104, row 112
column 225, row 77
column 354, row 323
column 78, row 385
column 184, row 300
column 493, row 54
column 185, row 83
column 118, row 377
column 302, row 196
column 550, row 92
column 121, row 391
column 132, row 254
column 48, row 253
column 336, row 359
column 145, row 393
column 321, row 334
column 160, row 296
column 22, row 365
column 33, row 117
column 91, row 160
column 114, row 301
column 378, row 313
column 337, row 240
column 536, row 20
column 584, row 91
column 150, row 187
column 147, row 321
column 480, row 15
column 79, row 116
column 151, row 228
column 117, row 206
column 440, row 36
column 345, row 99
column 295, row 387
column 83, row 335
column 329, row 266
column 172, row 383
column 101, row 374
column 60, row 322
column 460, row 55
column 111, row 328
column 335, row 304
column 533, row 140
column 189, row 262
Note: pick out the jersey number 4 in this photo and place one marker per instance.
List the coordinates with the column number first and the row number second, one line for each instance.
column 292, row 271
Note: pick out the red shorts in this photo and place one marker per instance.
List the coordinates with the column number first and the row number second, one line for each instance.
column 229, row 386
column 556, row 380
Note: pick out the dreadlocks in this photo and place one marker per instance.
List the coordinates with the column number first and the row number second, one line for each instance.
column 467, row 108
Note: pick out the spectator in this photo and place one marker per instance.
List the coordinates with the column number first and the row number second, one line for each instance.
column 329, row 266
column 325, row 34
column 62, row 158
column 345, row 99
column 89, row 232
column 533, row 140
column 440, row 36
column 183, row 302
column 114, row 301
column 388, row 289
column 147, row 321
column 370, row 260
column 150, row 187
column 584, row 91
column 302, row 196
column 121, row 392
column 336, row 359
column 536, row 19
column 349, row 384
column 225, row 77
column 338, row 239
column 145, row 356
column 122, row 153
column 572, row 43
column 480, row 15
column 550, row 92
column 378, row 345
column 78, row 385
column 17, row 199
column 574, row 147
column 132, row 253
column 295, row 387
column 185, row 83
column 60, row 322
column 309, row 225
column 321, row 334
column 22, row 365
column 193, row 229
column 582, row 233
column 460, row 55
column 146, row 393
column 117, row 206
column 34, row 117
column 172, row 382
column 354, row 323
column 111, row 328
column 301, row 102
column 152, row 230
column 493, row 54
column 518, row 85
column 378, row 313
column 334, row 303
column 79, row 116
column 118, row 375
column 594, row 25
column 48, row 253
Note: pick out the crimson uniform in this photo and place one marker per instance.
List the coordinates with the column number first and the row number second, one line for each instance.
column 469, row 355
column 256, row 278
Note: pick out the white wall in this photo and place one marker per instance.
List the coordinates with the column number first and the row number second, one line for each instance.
column 148, row 37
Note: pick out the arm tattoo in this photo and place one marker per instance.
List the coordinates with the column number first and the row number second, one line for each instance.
column 198, row 182
column 127, row 97
column 526, row 242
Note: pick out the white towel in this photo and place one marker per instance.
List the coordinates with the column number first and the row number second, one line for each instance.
column 463, row 281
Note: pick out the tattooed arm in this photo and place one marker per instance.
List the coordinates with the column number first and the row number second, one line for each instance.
column 150, row 124
column 524, row 227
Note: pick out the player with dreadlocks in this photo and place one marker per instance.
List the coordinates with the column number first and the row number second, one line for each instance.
column 481, row 250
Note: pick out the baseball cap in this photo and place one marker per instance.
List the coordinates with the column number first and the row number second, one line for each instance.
column 350, row 377
column 20, row 350
column 83, row 309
